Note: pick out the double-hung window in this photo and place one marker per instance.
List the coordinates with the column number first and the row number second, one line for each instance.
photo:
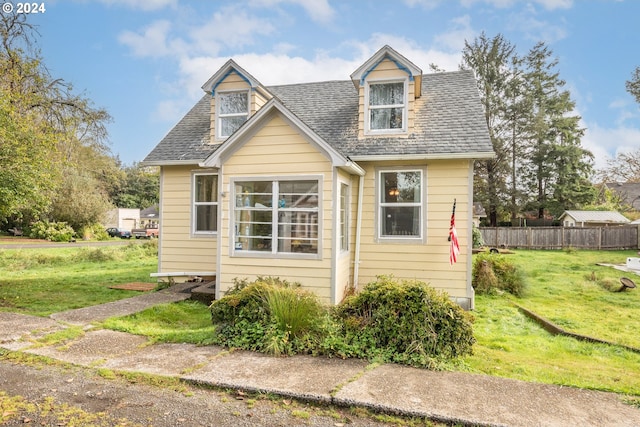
column 205, row 203
column 232, row 110
column 400, row 204
column 276, row 217
column 386, row 107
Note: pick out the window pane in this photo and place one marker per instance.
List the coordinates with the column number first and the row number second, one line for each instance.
column 298, row 231
column 298, row 194
column 256, row 194
column 386, row 94
column 386, row 118
column 253, row 229
column 401, row 187
column 206, row 188
column 206, row 217
column 233, row 103
column 229, row 125
column 400, row 221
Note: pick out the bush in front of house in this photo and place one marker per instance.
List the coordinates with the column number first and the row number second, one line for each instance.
column 268, row 315
column 494, row 273
column 404, row 322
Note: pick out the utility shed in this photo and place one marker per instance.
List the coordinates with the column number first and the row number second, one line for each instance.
column 592, row 218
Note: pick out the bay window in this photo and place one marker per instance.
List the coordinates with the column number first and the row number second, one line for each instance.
column 400, row 204
column 275, row 217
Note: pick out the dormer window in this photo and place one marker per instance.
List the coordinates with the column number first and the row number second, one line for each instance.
column 386, row 105
column 232, row 111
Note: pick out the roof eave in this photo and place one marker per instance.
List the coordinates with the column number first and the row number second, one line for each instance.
column 480, row 155
column 171, row 162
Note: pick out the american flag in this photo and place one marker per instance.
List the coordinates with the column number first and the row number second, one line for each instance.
column 454, row 249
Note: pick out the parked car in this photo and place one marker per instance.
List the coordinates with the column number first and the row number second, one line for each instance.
column 117, row 232
column 145, row 233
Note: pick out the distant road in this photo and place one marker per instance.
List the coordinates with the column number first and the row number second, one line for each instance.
column 114, row 242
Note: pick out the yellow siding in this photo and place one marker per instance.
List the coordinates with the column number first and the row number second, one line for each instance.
column 277, row 150
column 388, row 70
column 428, row 261
column 178, row 250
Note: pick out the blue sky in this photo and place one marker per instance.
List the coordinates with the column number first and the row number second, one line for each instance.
column 144, row 61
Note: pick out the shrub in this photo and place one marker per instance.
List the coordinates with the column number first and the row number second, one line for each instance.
column 493, row 273
column 268, row 315
column 477, row 239
column 53, row 231
column 405, row 322
column 95, row 232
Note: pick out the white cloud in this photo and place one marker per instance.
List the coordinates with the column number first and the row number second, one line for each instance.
column 606, row 143
column 318, row 10
column 152, row 42
column 229, row 27
column 460, row 31
column 528, row 23
column 503, row 4
column 146, row 5
column 426, row 4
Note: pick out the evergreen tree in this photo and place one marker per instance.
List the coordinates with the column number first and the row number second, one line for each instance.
column 490, row 59
column 558, row 169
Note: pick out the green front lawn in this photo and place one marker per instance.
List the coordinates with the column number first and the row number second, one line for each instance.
column 45, row 281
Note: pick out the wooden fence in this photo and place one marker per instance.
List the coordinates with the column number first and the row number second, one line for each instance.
column 616, row 237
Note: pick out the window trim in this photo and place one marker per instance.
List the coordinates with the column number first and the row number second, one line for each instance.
column 194, row 220
column 274, row 253
column 421, row 238
column 344, row 229
column 220, row 116
column 367, row 108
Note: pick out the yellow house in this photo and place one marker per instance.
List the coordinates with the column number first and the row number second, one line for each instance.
column 329, row 184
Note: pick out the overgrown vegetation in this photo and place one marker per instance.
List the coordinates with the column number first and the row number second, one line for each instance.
column 389, row 320
column 494, row 273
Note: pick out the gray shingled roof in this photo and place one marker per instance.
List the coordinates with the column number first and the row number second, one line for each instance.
column 611, row 217
column 449, row 121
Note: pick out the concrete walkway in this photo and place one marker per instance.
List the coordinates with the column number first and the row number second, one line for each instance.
column 451, row 397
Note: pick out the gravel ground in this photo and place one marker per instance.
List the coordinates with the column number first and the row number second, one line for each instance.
column 71, row 396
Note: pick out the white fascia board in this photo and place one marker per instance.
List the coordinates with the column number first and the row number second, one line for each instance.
column 439, row 156
column 172, row 162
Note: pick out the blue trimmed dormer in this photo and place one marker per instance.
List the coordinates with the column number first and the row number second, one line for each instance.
column 388, row 85
column 235, row 96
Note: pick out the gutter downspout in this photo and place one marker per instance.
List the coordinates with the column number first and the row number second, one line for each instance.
column 356, row 265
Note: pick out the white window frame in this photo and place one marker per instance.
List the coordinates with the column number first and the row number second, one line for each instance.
column 275, row 189
column 220, row 116
column 368, row 108
column 343, row 215
column 194, row 204
column 422, row 205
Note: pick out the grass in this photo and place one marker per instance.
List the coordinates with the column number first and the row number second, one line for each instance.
column 566, row 287
column 45, row 281
column 185, row 322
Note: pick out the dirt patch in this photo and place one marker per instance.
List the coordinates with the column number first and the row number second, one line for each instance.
column 135, row 286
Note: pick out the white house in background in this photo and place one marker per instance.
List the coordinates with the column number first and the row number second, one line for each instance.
column 126, row 219
column 592, row 218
